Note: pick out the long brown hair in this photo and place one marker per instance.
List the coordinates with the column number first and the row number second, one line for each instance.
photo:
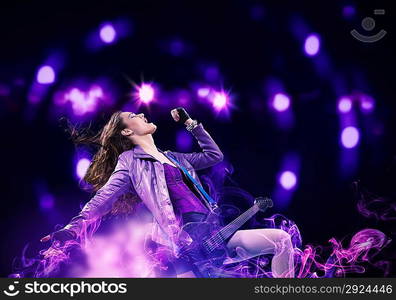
column 111, row 144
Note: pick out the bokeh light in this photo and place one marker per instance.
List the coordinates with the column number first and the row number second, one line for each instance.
column 312, row 45
column 107, row 33
column 350, row 137
column 344, row 104
column 220, row 100
column 46, row 75
column 82, row 101
column 203, row 92
column 82, row 167
column 281, row 102
column 146, row 93
column 288, row 180
column 367, row 103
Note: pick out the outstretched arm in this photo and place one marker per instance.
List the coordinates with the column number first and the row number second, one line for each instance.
column 101, row 203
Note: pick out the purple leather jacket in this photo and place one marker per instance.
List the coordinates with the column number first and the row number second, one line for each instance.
column 137, row 173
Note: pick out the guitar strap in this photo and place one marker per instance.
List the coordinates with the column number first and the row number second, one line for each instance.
column 210, row 201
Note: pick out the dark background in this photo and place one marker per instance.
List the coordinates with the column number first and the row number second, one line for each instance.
column 249, row 41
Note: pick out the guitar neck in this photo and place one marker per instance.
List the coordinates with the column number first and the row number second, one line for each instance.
column 224, row 233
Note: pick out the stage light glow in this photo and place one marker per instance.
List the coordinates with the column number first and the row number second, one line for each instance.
column 220, row 100
column 344, row 105
column 82, row 167
column 281, row 102
column 119, row 253
column 84, row 102
column 350, row 137
column 146, row 93
column 108, row 34
column 288, row 180
column 76, row 95
column 203, row 92
column 95, row 92
column 46, row 75
column 312, row 45
column 367, row 103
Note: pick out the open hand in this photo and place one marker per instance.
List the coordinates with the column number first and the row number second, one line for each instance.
column 52, row 252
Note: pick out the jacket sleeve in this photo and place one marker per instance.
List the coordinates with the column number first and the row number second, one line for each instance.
column 102, row 202
column 210, row 154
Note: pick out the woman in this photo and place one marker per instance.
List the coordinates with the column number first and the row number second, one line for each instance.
column 129, row 163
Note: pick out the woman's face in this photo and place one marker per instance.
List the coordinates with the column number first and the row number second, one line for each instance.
column 137, row 123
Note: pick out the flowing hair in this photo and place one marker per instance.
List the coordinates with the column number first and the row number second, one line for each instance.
column 111, row 144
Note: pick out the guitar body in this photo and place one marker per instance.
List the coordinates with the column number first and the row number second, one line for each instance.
column 200, row 259
column 207, row 251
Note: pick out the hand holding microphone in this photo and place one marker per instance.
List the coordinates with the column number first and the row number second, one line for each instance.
column 180, row 115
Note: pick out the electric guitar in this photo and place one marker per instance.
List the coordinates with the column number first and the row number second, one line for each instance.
column 208, row 247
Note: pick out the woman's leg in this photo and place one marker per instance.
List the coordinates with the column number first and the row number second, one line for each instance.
column 254, row 242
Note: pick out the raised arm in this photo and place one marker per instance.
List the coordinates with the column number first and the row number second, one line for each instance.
column 210, row 154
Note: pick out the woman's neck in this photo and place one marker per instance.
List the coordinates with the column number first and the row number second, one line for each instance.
column 147, row 143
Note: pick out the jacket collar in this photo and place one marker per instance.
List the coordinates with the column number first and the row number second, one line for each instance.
column 140, row 153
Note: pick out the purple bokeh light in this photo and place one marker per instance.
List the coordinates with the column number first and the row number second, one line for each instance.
column 312, row 45
column 146, row 93
column 82, row 167
column 107, row 33
column 203, row 92
column 288, row 180
column 46, row 75
column 350, row 137
column 281, row 102
column 84, row 101
column 220, row 100
column 367, row 103
column 344, row 104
